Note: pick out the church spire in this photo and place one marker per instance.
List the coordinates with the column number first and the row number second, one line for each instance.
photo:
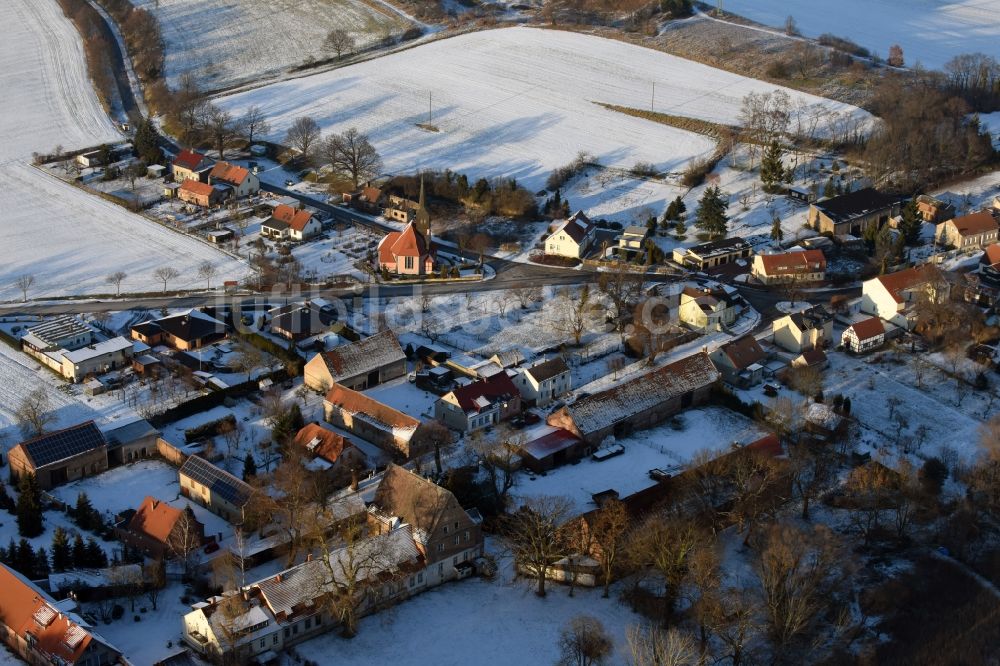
column 423, row 216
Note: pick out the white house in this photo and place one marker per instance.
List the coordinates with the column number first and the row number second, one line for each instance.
column 801, row 331
column 708, row 309
column 241, row 180
column 892, row 297
column 544, row 382
column 863, row 336
column 572, row 237
column 294, row 223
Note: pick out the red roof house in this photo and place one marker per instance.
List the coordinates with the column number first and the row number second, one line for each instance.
column 406, row 252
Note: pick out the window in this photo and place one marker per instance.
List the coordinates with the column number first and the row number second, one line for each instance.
column 308, row 622
column 420, row 577
column 458, row 540
column 466, row 536
column 274, row 639
column 412, row 582
column 288, row 632
column 262, row 643
column 440, row 547
column 454, row 561
column 408, row 262
column 295, row 629
column 445, row 529
column 319, row 619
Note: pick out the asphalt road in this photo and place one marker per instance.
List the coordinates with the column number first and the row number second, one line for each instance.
column 508, row 273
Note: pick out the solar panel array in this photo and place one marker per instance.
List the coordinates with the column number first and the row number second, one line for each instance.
column 64, row 444
column 220, row 482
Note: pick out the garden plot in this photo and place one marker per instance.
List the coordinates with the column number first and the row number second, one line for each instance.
column 931, row 32
column 670, row 446
column 930, row 408
column 516, row 102
column 225, row 43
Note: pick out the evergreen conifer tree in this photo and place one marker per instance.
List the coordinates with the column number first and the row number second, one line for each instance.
column 29, row 507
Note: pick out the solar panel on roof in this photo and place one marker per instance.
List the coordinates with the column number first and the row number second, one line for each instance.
column 219, row 482
column 64, row 444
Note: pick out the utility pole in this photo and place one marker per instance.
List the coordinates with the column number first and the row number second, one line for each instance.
column 430, row 106
column 652, row 97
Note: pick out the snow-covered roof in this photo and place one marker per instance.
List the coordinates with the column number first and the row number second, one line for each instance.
column 364, row 356
column 95, row 350
column 601, row 410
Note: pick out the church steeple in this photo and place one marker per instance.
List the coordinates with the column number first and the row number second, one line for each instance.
column 423, row 216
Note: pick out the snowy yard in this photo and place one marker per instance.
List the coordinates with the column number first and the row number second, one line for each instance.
column 930, row 31
column 50, row 102
column 501, row 112
column 475, row 621
column 225, row 43
column 123, row 487
column 669, row 446
column 406, row 397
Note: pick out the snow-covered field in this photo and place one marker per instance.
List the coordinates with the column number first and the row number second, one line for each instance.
column 67, row 239
column 515, row 102
column 225, row 43
column 930, row 31
column 21, row 374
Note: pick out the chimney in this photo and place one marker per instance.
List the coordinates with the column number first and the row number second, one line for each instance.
column 277, row 579
column 309, row 557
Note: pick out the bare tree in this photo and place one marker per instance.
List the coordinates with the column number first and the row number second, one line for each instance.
column 24, row 283
column 358, row 569
column 339, row 41
column 433, row 436
column 116, row 279
column 810, row 469
column 254, row 122
column 207, row 270
column 165, row 274
column 608, row 531
column 574, row 315
column 663, row 544
column 754, row 479
column 303, row 135
column 537, row 535
column 155, row 577
column 651, row 646
column 623, row 287
column 247, row 359
column 353, row 155
column 34, row 413
column 584, row 642
column 219, row 127
column 526, row 294
column 799, row 571
column 184, row 543
column 498, row 459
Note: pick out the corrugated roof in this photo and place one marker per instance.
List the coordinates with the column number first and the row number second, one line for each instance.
column 364, row 356
column 601, row 410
